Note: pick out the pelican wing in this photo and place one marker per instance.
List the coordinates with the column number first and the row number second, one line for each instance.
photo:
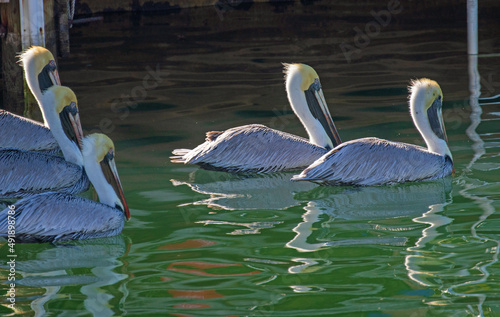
column 25, row 173
column 25, row 134
column 372, row 161
column 52, row 217
column 252, row 148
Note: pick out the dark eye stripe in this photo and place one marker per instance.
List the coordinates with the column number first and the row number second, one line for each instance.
column 110, row 156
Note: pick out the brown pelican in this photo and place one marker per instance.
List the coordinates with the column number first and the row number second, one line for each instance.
column 24, row 173
column 52, row 217
column 257, row 148
column 373, row 161
column 21, row 133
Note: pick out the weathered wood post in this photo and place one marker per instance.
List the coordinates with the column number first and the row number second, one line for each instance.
column 32, row 15
column 26, row 23
column 13, row 96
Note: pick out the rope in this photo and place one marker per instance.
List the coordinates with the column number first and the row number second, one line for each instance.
column 71, row 12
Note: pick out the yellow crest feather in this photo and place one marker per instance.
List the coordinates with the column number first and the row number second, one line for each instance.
column 63, row 97
column 102, row 144
column 308, row 73
column 39, row 55
column 432, row 89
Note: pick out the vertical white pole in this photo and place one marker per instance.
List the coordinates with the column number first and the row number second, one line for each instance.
column 32, row 23
column 474, row 82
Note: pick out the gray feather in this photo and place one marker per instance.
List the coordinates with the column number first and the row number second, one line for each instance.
column 25, row 134
column 252, row 148
column 25, row 173
column 373, row 161
column 52, row 217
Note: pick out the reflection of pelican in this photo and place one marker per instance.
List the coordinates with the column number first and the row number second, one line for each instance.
column 257, row 148
column 57, row 216
column 90, row 265
column 236, row 192
column 372, row 161
column 17, row 132
column 24, row 173
column 364, row 203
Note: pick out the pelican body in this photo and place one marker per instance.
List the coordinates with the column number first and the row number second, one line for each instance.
column 54, row 217
column 25, row 173
column 17, row 132
column 25, row 134
column 373, row 161
column 257, row 148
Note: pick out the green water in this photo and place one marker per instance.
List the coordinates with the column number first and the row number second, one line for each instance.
column 204, row 243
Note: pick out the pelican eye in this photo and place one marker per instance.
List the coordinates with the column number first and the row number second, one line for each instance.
column 315, row 85
column 110, row 156
column 52, row 65
column 73, row 109
column 44, row 80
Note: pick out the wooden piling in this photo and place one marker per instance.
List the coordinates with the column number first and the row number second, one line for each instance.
column 16, row 95
column 13, row 95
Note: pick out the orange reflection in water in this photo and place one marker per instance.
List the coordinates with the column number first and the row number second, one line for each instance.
column 188, row 244
column 199, row 267
column 196, row 294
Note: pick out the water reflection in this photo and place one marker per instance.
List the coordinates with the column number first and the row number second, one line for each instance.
column 424, row 264
column 365, row 203
column 470, row 287
column 245, row 191
column 55, row 267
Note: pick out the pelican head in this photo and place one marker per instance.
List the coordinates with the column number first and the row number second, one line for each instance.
column 99, row 160
column 426, row 101
column 60, row 111
column 40, row 69
column 307, row 101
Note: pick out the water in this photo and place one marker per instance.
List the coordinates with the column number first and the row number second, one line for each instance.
column 203, row 243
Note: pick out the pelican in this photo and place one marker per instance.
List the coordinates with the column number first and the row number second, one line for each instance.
column 54, row 217
column 17, row 132
column 257, row 148
column 373, row 161
column 24, row 173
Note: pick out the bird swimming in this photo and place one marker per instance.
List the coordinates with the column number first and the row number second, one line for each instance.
column 24, row 173
column 373, row 161
column 18, row 132
column 257, row 148
column 54, row 217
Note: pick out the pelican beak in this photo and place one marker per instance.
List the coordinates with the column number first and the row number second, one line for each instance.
column 70, row 121
column 436, row 119
column 111, row 174
column 319, row 109
column 49, row 76
column 435, row 115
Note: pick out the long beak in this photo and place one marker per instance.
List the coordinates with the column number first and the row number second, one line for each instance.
column 436, row 120
column 70, row 121
column 434, row 113
column 54, row 77
column 111, row 174
column 319, row 109
column 49, row 76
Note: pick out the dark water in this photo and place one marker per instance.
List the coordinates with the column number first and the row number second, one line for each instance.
column 204, row 243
